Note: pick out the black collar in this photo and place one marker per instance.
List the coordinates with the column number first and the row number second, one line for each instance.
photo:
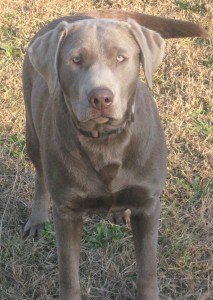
column 101, row 134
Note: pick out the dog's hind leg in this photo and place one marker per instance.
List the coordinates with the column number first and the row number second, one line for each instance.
column 122, row 217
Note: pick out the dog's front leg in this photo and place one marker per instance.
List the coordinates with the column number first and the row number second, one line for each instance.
column 68, row 236
column 145, row 233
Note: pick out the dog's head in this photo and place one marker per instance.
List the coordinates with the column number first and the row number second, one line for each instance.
column 96, row 64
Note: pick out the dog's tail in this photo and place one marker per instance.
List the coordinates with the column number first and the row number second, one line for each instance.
column 168, row 28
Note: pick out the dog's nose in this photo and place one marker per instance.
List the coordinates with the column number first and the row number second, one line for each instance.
column 100, row 98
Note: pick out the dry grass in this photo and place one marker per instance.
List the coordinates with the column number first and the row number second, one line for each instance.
column 182, row 90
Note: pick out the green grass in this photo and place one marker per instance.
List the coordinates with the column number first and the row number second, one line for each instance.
column 103, row 233
column 190, row 6
column 97, row 236
column 15, row 145
column 208, row 62
column 48, row 232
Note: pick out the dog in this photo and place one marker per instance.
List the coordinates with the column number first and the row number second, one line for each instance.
column 94, row 134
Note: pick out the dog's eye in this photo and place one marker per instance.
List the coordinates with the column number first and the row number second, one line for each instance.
column 120, row 58
column 76, row 59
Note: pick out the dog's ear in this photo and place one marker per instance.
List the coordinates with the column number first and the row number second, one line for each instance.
column 43, row 54
column 152, row 48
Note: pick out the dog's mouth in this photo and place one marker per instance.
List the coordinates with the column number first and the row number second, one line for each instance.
column 102, row 126
column 101, row 120
column 97, row 120
column 103, row 123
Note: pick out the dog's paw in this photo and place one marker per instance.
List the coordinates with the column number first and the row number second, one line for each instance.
column 122, row 217
column 33, row 229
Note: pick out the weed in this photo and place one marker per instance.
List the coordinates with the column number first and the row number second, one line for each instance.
column 205, row 127
column 199, row 191
column 203, row 42
column 103, row 233
column 99, row 3
column 208, row 62
column 48, row 231
column 12, row 52
column 15, row 145
column 7, row 33
column 190, row 5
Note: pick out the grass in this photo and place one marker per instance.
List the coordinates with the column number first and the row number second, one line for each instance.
column 182, row 89
column 102, row 234
column 193, row 6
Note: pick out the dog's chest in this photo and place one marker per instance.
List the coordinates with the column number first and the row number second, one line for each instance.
column 108, row 164
column 109, row 173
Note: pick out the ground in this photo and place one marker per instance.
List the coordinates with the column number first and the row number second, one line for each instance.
column 182, row 89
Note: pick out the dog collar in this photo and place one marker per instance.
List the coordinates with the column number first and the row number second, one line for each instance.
column 101, row 134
